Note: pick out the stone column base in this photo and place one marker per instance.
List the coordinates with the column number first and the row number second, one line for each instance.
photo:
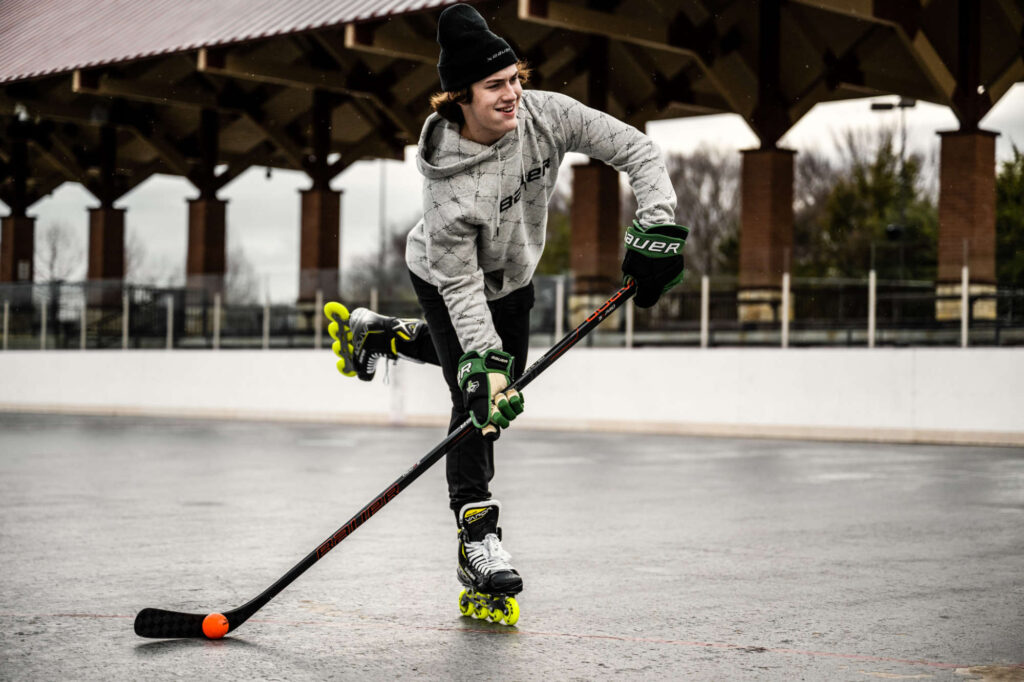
column 949, row 308
column 582, row 305
column 327, row 282
column 761, row 305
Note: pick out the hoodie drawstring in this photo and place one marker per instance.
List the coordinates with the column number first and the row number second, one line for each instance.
column 497, row 198
column 522, row 162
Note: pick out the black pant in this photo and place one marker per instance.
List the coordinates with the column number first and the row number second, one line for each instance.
column 470, row 464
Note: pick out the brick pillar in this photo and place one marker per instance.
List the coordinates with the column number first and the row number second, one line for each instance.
column 321, row 241
column 106, row 244
column 596, row 242
column 106, row 256
column 967, row 221
column 17, row 249
column 206, row 262
column 766, row 231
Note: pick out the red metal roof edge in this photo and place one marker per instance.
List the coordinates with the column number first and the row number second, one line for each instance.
column 377, row 11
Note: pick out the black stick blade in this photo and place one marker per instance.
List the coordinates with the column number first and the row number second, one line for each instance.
column 161, row 624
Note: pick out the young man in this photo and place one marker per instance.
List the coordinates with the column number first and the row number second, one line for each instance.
column 490, row 156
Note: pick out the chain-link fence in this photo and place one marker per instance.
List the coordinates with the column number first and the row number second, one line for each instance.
column 99, row 315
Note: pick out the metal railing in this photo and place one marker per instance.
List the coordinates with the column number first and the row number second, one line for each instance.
column 701, row 312
column 833, row 312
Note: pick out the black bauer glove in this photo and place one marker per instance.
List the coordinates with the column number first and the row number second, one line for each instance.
column 654, row 258
column 484, row 380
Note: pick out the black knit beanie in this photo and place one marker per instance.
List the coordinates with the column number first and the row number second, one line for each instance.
column 469, row 51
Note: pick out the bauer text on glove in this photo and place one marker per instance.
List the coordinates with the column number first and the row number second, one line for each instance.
column 485, row 380
column 654, row 258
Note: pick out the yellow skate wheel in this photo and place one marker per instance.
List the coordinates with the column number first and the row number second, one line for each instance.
column 511, row 611
column 332, row 329
column 341, row 368
column 466, row 607
column 333, row 308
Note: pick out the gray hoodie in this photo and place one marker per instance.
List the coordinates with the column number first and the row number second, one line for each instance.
column 486, row 206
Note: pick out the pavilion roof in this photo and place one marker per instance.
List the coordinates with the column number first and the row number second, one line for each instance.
column 44, row 37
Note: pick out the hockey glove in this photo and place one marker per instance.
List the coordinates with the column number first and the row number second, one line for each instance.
column 654, row 258
column 484, row 380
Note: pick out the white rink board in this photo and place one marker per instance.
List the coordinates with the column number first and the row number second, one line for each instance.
column 911, row 395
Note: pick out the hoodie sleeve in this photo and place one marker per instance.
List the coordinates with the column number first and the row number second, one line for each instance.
column 624, row 148
column 451, row 252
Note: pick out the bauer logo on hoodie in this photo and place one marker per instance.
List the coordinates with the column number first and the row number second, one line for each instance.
column 534, row 174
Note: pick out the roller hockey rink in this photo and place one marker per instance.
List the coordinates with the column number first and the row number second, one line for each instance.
column 643, row 557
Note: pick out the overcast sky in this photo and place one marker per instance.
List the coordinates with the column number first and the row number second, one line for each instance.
column 263, row 214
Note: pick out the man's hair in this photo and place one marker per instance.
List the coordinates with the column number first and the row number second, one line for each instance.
column 447, row 103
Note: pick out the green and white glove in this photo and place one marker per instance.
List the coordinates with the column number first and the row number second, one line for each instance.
column 485, row 380
column 654, row 258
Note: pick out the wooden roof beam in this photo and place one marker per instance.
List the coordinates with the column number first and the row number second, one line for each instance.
column 228, row 63
column 75, row 112
column 669, row 93
column 36, row 188
column 104, row 84
column 140, row 174
column 617, row 27
column 647, row 34
column 842, row 70
column 246, row 105
column 280, row 139
column 238, row 164
column 118, row 115
column 165, row 149
column 904, row 17
column 371, row 87
column 1013, row 70
column 380, row 37
column 58, row 154
column 1011, row 73
column 231, row 65
column 368, row 146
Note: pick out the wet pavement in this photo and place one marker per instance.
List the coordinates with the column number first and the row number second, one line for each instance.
column 643, row 557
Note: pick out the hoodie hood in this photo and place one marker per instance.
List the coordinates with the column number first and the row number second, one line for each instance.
column 444, row 152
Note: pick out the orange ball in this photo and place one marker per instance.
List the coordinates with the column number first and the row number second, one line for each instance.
column 215, row 626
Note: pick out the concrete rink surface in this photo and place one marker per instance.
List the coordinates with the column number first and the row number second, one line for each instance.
column 644, row 557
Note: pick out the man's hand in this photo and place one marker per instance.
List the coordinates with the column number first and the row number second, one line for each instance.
column 654, row 258
column 484, row 380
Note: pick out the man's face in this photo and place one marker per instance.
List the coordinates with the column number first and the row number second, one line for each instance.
column 492, row 113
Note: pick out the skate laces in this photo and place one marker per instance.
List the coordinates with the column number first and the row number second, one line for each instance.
column 488, row 556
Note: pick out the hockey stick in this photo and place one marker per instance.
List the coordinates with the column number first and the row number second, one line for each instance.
column 171, row 624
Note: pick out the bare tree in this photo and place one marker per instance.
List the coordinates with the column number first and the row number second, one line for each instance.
column 556, row 258
column 59, row 254
column 814, row 178
column 140, row 269
column 706, row 183
column 134, row 257
column 241, row 284
column 389, row 275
